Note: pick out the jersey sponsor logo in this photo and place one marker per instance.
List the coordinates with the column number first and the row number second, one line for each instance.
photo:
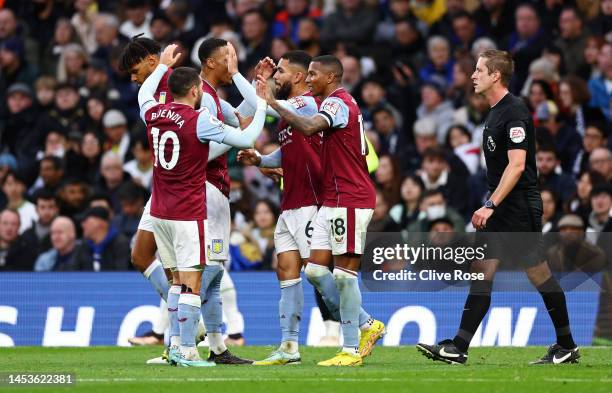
column 517, row 134
column 491, row 144
column 331, row 107
column 297, row 102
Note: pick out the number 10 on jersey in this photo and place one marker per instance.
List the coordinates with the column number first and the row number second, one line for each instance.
column 159, row 148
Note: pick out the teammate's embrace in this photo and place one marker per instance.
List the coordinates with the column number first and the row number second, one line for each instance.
column 299, row 157
column 348, row 199
column 178, row 202
column 514, row 205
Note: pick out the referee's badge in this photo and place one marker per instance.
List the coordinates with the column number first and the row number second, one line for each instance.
column 517, row 134
column 491, row 144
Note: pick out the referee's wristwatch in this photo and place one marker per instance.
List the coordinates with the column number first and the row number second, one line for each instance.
column 489, row 204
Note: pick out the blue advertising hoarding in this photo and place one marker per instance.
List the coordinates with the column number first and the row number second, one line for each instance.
column 82, row 309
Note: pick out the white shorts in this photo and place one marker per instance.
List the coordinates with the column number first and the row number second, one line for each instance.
column 218, row 232
column 294, row 230
column 146, row 222
column 341, row 229
column 180, row 244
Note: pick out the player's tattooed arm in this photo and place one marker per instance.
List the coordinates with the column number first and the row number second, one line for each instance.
column 308, row 125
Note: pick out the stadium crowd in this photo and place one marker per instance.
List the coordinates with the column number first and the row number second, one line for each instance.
column 76, row 168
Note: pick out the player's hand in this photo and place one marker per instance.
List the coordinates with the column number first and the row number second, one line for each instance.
column 480, row 217
column 168, row 57
column 273, row 173
column 244, row 121
column 264, row 90
column 265, row 68
column 248, row 157
column 232, row 59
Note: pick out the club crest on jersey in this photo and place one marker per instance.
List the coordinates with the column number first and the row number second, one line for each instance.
column 217, row 246
column 491, row 144
column 297, row 102
column 331, row 107
column 517, row 134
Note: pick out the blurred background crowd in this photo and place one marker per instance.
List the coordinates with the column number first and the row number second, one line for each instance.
column 75, row 165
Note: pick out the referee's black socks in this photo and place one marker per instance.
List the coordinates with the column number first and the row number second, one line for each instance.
column 554, row 299
column 476, row 307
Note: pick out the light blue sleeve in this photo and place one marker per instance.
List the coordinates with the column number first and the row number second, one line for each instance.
column 335, row 111
column 209, row 128
column 272, row 160
column 217, row 150
column 229, row 117
column 146, row 99
column 247, row 90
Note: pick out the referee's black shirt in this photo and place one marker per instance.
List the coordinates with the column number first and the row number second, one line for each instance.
column 509, row 126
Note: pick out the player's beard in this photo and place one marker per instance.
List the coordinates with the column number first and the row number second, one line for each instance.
column 283, row 91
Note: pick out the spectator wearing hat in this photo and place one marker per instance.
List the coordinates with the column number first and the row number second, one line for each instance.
column 18, row 130
column 551, row 176
column 434, row 105
column 138, row 14
column 103, row 246
column 117, row 134
column 573, row 252
column 47, row 209
column 601, row 202
column 599, row 87
column 17, row 253
column 61, row 256
column 67, row 115
column 11, row 28
column 13, row 66
column 14, row 188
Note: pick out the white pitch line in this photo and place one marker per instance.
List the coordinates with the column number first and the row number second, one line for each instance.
column 239, row 379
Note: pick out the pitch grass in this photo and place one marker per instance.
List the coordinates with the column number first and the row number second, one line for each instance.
column 119, row 370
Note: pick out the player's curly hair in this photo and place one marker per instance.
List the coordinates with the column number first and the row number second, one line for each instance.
column 136, row 50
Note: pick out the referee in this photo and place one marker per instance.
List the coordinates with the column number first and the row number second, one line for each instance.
column 514, row 205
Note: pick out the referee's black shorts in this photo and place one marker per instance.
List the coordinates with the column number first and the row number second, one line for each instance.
column 513, row 233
